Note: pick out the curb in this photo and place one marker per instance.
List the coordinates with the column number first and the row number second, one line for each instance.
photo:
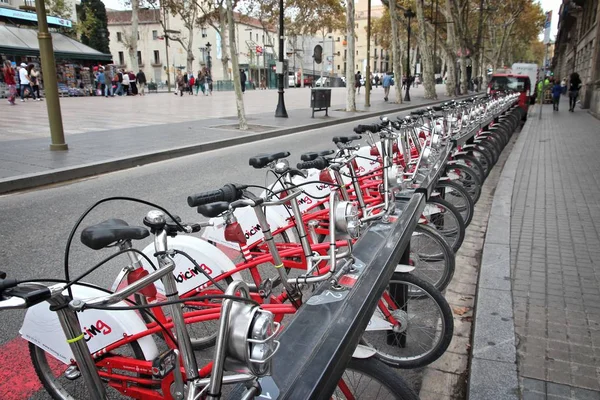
column 493, row 366
column 29, row 181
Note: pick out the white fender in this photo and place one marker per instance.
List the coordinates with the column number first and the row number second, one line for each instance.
column 100, row 327
column 431, row 209
column 363, row 351
column 212, row 260
column 404, row 268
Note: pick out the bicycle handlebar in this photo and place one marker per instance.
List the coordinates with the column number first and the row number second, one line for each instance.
column 229, row 192
column 318, row 163
column 373, row 128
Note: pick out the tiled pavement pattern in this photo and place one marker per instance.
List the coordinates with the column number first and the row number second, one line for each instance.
column 100, row 129
column 91, row 114
column 555, row 257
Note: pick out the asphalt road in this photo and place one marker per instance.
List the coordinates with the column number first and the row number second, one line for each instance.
column 35, row 225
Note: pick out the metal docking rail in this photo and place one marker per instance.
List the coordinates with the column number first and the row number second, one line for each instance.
column 318, row 343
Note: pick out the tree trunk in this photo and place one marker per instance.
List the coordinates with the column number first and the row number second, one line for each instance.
column 239, row 100
column 350, row 91
column 396, row 56
column 475, row 70
column 223, row 27
column 190, row 47
column 428, row 72
column 450, row 53
column 135, row 7
column 451, row 76
column 464, row 88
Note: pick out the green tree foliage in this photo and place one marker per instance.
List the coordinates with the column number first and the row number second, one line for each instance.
column 58, row 8
column 93, row 25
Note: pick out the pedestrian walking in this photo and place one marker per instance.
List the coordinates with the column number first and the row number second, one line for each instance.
column 386, row 83
column 208, row 84
column 357, row 81
column 199, row 85
column 108, row 79
column 556, row 92
column 377, row 80
column 125, row 82
column 133, row 83
column 243, row 80
column 101, row 80
column 191, row 83
column 574, row 86
column 118, row 79
column 563, row 85
column 9, row 79
column 180, row 83
column 25, row 82
column 34, row 77
column 141, row 82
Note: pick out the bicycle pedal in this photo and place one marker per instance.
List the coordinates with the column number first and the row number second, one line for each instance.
column 72, row 373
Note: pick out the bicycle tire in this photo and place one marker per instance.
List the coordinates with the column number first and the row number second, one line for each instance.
column 407, row 333
column 459, row 198
column 384, row 377
column 485, row 142
column 472, row 162
column 434, row 261
column 57, row 389
column 484, row 158
column 468, row 179
column 453, row 234
column 395, row 386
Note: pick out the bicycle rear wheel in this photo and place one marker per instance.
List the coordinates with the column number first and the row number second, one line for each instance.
column 419, row 326
column 370, row 379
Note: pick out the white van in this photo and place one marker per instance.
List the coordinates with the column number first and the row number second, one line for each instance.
column 531, row 70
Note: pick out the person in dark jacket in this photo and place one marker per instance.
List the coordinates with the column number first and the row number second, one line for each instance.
column 243, row 80
column 556, row 92
column 141, row 83
column 574, row 86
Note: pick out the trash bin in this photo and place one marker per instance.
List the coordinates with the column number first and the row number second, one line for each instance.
column 320, row 100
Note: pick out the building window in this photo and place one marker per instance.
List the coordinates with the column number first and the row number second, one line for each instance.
column 119, row 37
column 154, row 35
column 257, row 37
column 263, row 38
column 204, row 33
column 121, row 58
column 356, row 52
column 138, row 34
column 156, row 57
column 139, row 54
column 338, row 67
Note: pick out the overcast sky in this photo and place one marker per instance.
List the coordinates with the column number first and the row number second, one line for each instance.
column 547, row 5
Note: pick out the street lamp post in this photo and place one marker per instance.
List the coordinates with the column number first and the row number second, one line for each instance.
column 408, row 14
column 208, row 58
column 280, row 112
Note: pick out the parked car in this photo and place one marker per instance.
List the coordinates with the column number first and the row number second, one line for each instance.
column 307, row 81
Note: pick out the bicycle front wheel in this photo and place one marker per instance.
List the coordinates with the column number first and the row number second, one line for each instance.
column 407, row 330
column 457, row 196
column 432, row 257
column 370, row 379
column 446, row 220
column 51, row 373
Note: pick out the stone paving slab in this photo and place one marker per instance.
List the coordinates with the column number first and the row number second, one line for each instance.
column 555, row 248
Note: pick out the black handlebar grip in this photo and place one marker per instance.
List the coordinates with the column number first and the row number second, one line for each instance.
column 318, row 163
column 227, row 193
column 373, row 128
column 438, row 108
column 2, row 275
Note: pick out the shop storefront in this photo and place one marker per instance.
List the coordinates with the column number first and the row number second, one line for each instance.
column 75, row 61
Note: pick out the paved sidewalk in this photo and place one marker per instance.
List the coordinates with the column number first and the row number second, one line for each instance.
column 555, row 256
column 186, row 128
